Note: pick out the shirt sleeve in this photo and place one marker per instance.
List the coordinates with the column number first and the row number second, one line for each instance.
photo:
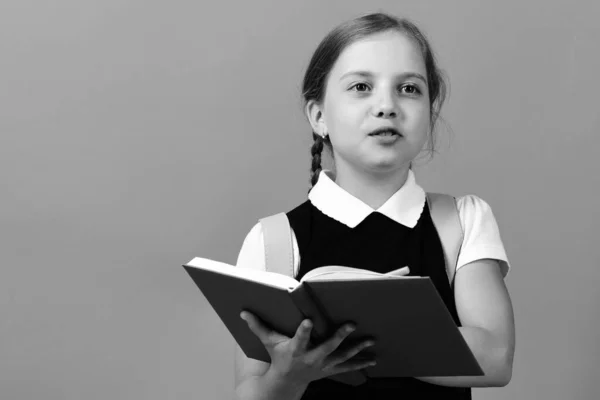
column 481, row 234
column 252, row 253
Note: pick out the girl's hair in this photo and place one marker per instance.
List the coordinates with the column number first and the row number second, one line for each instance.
column 345, row 34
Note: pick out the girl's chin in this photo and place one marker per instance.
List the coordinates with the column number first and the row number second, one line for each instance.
column 385, row 165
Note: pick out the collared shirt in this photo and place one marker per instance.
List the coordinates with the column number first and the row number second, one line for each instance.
column 481, row 234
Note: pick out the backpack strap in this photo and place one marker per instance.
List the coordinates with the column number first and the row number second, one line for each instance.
column 444, row 214
column 277, row 233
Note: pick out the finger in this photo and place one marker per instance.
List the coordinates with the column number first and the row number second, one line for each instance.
column 302, row 336
column 348, row 366
column 332, row 343
column 350, row 353
column 256, row 326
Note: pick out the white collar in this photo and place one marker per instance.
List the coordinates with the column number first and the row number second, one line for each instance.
column 405, row 206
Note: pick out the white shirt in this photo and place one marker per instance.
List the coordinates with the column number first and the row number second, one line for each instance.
column 481, row 235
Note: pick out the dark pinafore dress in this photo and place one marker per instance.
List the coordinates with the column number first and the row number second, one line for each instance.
column 380, row 244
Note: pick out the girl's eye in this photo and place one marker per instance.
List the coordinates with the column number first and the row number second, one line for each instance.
column 359, row 85
column 411, row 89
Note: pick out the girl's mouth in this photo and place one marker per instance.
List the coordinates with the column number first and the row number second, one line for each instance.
column 386, row 138
column 385, row 132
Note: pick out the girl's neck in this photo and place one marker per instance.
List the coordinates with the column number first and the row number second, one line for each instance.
column 373, row 189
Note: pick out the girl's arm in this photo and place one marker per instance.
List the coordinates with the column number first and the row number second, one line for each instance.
column 486, row 315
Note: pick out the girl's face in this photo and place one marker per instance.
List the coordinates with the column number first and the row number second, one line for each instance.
column 377, row 82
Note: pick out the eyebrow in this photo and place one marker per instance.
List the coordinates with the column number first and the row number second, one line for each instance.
column 368, row 74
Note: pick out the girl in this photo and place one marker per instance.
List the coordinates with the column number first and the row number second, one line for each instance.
column 373, row 93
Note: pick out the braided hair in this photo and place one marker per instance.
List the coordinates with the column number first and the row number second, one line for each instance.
column 316, row 150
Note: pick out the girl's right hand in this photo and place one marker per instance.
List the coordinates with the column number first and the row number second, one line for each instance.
column 293, row 360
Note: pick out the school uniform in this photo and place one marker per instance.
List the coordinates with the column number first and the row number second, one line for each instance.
column 333, row 227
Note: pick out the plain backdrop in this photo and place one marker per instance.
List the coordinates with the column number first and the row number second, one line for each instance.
column 135, row 135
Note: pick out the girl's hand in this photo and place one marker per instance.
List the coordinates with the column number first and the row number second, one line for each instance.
column 294, row 361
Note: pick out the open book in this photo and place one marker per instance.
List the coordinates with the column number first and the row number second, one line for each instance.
column 328, row 273
column 414, row 333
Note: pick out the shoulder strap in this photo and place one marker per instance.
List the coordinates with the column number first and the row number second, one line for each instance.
column 444, row 214
column 277, row 235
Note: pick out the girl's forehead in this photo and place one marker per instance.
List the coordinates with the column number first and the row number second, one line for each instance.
column 388, row 52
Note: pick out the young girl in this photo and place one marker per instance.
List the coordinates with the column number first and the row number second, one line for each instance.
column 373, row 92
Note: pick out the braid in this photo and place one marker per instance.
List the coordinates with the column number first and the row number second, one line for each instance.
column 316, row 150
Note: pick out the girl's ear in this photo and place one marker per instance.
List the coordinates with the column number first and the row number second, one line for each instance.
column 315, row 116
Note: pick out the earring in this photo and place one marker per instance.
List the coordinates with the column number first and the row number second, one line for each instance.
column 324, row 135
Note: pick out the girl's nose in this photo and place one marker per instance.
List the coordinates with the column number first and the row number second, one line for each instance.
column 386, row 112
column 386, row 107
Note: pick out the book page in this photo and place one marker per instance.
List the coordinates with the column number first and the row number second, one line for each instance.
column 337, row 272
column 266, row 277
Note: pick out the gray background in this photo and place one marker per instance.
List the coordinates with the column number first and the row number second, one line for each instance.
column 136, row 135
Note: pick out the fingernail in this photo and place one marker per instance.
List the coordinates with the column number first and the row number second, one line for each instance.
column 350, row 328
column 306, row 324
column 243, row 315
